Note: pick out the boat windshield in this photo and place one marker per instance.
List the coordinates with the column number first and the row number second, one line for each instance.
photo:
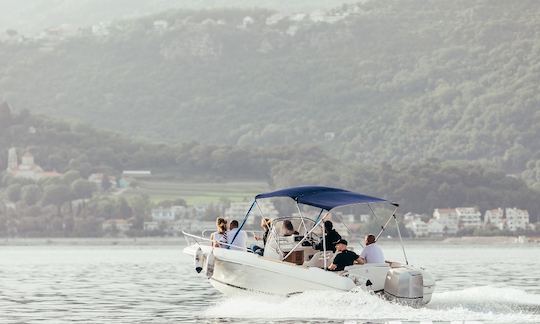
column 289, row 226
column 292, row 234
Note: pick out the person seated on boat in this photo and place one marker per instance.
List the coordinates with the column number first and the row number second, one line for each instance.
column 236, row 238
column 331, row 236
column 220, row 236
column 372, row 253
column 288, row 228
column 344, row 258
column 265, row 225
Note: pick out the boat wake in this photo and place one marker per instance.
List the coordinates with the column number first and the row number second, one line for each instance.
column 483, row 304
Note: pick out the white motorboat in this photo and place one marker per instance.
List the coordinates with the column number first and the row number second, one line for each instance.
column 291, row 264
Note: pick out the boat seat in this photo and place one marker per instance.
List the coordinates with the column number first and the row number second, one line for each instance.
column 318, row 259
column 394, row 264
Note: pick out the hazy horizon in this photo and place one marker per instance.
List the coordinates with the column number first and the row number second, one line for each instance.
column 30, row 17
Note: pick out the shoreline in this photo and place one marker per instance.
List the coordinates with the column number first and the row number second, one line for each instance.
column 94, row 241
column 180, row 241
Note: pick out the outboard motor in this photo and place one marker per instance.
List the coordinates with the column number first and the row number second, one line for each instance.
column 198, row 260
column 209, row 265
column 405, row 286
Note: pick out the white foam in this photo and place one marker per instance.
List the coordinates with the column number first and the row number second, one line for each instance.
column 486, row 297
column 474, row 304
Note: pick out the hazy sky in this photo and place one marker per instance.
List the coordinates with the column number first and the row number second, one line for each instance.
column 32, row 16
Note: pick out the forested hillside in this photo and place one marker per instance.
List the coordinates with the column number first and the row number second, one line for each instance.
column 382, row 81
column 77, row 150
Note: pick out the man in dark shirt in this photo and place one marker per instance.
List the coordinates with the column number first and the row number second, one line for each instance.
column 344, row 258
column 331, row 237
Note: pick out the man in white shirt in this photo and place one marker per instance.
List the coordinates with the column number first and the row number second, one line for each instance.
column 372, row 253
column 236, row 239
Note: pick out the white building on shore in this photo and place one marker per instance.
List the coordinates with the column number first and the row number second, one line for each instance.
column 410, row 217
column 495, row 218
column 517, row 219
column 163, row 214
column 468, row 217
column 151, row 226
column 238, row 210
column 448, row 213
column 27, row 169
column 436, row 228
column 418, row 227
column 448, row 218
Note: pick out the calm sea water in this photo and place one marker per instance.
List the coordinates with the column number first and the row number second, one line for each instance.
column 157, row 284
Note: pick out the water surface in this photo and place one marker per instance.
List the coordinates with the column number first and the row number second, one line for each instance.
column 157, row 284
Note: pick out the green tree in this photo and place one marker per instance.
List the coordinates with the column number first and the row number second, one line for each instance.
column 5, row 116
column 56, row 162
column 13, row 192
column 124, row 210
column 179, row 202
column 11, row 32
column 56, row 195
column 105, row 183
column 85, row 169
column 83, row 189
column 31, row 194
column 106, row 208
column 140, row 206
column 69, row 177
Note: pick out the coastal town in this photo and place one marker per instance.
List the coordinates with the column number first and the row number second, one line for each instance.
column 445, row 222
column 170, row 218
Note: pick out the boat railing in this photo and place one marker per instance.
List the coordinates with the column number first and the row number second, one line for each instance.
column 195, row 239
column 200, row 240
column 253, row 233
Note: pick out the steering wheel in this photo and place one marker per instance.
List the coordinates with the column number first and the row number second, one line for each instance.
column 314, row 238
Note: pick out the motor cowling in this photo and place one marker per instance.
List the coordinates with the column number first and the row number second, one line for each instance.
column 209, row 265
column 198, row 260
column 405, row 286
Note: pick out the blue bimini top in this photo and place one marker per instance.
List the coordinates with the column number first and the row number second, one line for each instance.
column 322, row 197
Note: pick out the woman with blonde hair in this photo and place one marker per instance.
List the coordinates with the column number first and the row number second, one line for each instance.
column 220, row 236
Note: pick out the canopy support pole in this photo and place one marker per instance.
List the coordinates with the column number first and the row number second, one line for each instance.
column 259, row 208
column 324, row 243
column 301, row 217
column 400, row 239
column 385, row 225
column 243, row 223
column 322, row 209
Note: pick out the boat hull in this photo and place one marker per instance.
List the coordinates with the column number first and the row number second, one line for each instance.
column 242, row 272
column 238, row 273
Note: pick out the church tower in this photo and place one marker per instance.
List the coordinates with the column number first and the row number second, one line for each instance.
column 12, row 159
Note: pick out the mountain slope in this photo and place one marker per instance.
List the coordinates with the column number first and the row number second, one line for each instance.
column 387, row 80
column 78, row 150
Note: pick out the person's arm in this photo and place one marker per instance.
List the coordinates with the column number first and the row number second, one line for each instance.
column 214, row 242
column 362, row 257
column 358, row 259
column 333, row 265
